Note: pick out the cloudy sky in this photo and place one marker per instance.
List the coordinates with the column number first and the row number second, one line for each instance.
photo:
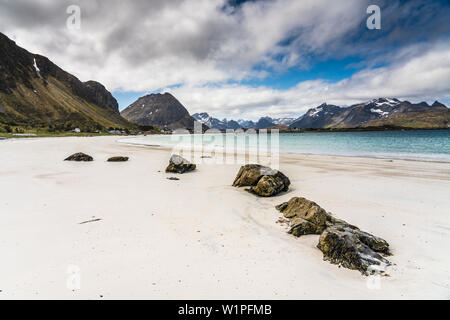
column 244, row 59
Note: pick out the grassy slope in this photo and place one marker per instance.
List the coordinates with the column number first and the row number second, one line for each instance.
column 421, row 120
column 55, row 104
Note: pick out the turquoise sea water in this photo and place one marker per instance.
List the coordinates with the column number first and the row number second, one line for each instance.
column 429, row 145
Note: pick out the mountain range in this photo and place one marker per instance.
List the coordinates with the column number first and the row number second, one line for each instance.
column 262, row 123
column 381, row 112
column 36, row 93
column 215, row 123
column 376, row 113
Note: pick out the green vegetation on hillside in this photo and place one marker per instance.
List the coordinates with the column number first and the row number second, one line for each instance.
column 37, row 95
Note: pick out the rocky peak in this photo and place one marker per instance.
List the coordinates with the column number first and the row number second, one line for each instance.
column 265, row 122
column 438, row 104
column 322, row 109
column 246, row 124
column 161, row 110
column 203, row 117
column 215, row 123
column 423, row 104
column 101, row 96
column 384, row 102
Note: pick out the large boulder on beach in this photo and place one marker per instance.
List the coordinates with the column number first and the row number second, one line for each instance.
column 118, row 159
column 354, row 249
column 178, row 164
column 249, row 175
column 80, row 156
column 340, row 242
column 263, row 181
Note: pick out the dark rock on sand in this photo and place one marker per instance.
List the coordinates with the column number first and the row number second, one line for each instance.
column 268, row 186
column 249, row 175
column 340, row 242
column 118, row 159
column 80, row 156
column 354, row 249
column 178, row 164
column 300, row 227
column 173, row 178
column 264, row 181
column 307, row 217
column 89, row 221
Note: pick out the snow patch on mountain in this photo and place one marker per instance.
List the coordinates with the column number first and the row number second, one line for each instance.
column 38, row 71
column 315, row 112
column 380, row 112
column 283, row 121
column 202, row 117
column 384, row 102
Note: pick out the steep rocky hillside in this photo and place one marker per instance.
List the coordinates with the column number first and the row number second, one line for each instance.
column 161, row 110
column 34, row 92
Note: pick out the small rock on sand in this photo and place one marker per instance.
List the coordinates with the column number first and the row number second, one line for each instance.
column 80, row 156
column 118, row 159
column 263, row 181
column 178, row 164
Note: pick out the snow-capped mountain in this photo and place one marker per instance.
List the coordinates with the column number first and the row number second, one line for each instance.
column 377, row 112
column 215, row 123
column 319, row 117
column 283, row 121
column 262, row 123
column 246, row 124
column 267, row 122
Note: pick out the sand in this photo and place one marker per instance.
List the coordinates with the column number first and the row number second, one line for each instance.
column 200, row 238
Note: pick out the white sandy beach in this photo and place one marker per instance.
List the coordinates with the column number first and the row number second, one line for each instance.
column 200, row 238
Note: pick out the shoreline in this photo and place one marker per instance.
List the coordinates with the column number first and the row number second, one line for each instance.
column 168, row 148
column 284, row 153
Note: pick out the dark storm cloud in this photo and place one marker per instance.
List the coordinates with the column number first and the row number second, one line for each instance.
column 136, row 29
column 33, row 14
column 404, row 23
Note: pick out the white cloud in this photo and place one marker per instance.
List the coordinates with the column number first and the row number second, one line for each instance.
column 424, row 77
column 146, row 45
column 203, row 45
